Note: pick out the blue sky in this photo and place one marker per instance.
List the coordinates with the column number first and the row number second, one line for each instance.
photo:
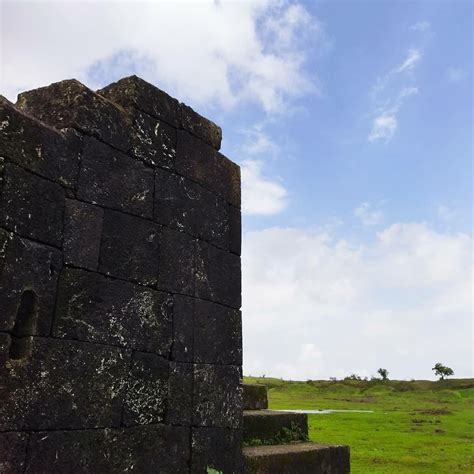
column 326, row 160
column 352, row 122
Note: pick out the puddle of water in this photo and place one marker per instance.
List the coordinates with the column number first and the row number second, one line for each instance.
column 325, row 412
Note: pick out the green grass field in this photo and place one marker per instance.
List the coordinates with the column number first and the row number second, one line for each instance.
column 416, row 427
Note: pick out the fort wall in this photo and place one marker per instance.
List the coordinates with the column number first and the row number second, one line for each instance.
column 120, row 284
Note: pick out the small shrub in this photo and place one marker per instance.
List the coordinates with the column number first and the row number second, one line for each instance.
column 353, row 377
column 404, row 387
column 284, row 436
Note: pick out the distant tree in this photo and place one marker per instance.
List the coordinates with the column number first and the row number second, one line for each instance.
column 333, row 379
column 442, row 370
column 383, row 373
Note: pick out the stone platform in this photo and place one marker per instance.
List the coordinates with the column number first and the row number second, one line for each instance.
column 276, row 442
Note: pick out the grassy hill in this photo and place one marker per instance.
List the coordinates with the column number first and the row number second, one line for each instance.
column 417, row 426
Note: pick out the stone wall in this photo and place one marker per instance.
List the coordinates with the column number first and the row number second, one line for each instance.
column 120, row 328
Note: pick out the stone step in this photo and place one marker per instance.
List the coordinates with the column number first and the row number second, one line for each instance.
column 255, row 397
column 297, row 458
column 266, row 425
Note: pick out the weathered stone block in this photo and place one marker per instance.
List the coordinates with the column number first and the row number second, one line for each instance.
column 38, row 148
column 255, row 397
column 183, row 328
column 266, row 425
column 71, row 104
column 176, row 262
column 111, row 179
column 186, row 206
column 218, row 275
column 176, row 201
column 154, row 141
column 235, row 221
column 180, row 394
column 196, row 160
column 220, row 407
column 212, row 223
column 95, row 308
column 231, row 171
column 217, row 334
column 301, row 458
column 5, row 341
column 143, row 449
column 200, row 127
column 218, row 448
column 129, row 248
column 5, row 237
column 3, row 163
column 147, row 390
column 32, row 206
column 199, row 162
column 13, row 452
column 63, row 384
column 29, row 267
column 82, row 234
column 135, row 92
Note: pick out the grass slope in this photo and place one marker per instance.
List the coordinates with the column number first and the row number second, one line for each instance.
column 417, row 426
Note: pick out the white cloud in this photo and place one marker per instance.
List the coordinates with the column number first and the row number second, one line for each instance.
column 259, row 142
column 389, row 94
column 383, row 127
column 421, row 26
column 214, row 54
column 316, row 306
column 308, row 358
column 368, row 215
column 413, row 57
column 289, row 28
column 405, row 92
column 445, row 213
column 207, row 52
column 456, row 74
column 260, row 194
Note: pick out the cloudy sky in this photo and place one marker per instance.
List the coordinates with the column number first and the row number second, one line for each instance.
column 352, row 121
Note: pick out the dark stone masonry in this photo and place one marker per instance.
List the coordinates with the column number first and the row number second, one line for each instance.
column 120, row 285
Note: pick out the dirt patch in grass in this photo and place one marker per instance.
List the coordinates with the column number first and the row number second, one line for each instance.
column 434, row 411
column 355, row 400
